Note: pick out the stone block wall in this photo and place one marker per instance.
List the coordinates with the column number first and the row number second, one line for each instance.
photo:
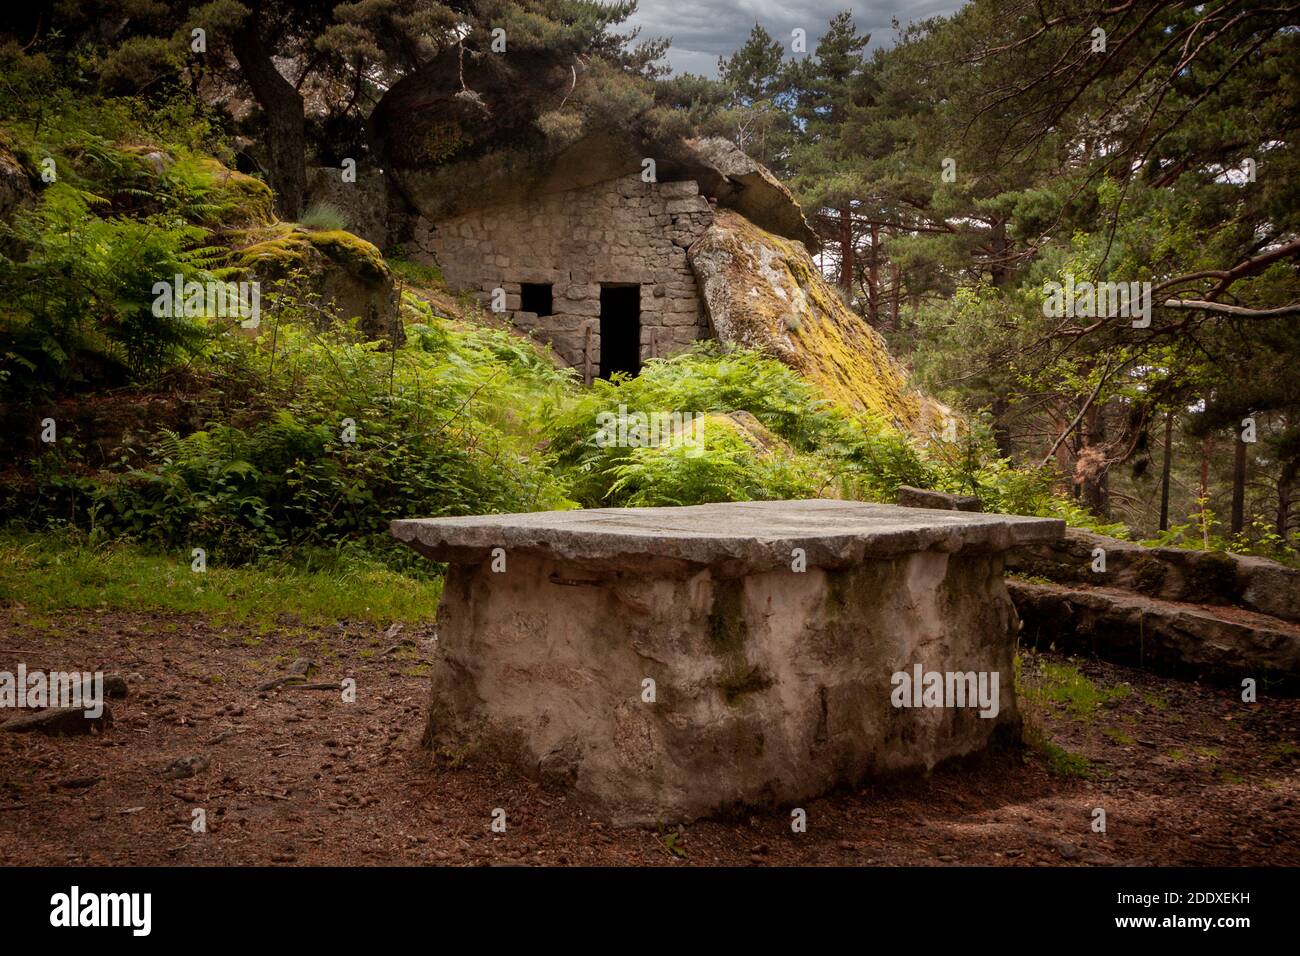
column 622, row 231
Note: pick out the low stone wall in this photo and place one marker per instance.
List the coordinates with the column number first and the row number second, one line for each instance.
column 909, row 497
column 1220, row 645
column 1170, row 574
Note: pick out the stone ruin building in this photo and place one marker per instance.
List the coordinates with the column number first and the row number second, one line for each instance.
column 600, row 273
column 614, row 248
column 595, row 260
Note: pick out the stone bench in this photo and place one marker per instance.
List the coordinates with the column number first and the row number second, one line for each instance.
column 669, row 663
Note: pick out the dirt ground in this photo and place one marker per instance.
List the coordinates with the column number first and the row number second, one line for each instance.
column 1186, row 774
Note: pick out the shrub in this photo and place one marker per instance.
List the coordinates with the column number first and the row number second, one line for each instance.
column 726, row 468
column 702, row 380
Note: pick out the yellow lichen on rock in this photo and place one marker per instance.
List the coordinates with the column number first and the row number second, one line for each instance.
column 244, row 199
column 765, row 292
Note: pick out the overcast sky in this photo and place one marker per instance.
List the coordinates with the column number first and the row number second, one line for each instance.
column 701, row 30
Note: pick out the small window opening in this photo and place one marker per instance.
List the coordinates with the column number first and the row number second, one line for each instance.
column 535, row 297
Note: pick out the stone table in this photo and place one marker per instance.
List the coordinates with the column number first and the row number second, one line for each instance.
column 669, row 663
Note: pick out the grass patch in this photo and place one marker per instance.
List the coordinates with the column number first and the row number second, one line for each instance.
column 415, row 273
column 1064, row 687
column 44, row 573
column 323, row 217
column 1284, row 752
column 1029, row 578
column 1060, row 762
column 1117, row 735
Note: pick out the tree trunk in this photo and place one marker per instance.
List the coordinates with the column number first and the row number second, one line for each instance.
column 1204, row 495
column 1164, row 471
column 282, row 108
column 894, row 296
column 1239, row 486
column 873, row 278
column 847, row 263
column 1001, row 433
column 1091, row 467
column 1285, row 486
column 999, row 271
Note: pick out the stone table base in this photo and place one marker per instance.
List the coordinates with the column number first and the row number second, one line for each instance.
column 666, row 664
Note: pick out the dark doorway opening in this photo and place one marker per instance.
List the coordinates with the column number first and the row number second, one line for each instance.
column 536, row 297
column 620, row 329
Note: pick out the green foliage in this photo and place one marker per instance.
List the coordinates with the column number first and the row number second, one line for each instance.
column 52, row 107
column 1004, row 489
column 725, row 469
column 437, row 426
column 877, row 458
column 78, row 268
column 85, row 284
column 810, row 448
column 1202, row 534
column 701, row 381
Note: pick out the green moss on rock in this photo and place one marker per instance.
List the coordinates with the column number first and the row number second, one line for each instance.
column 1213, row 579
column 231, row 199
column 353, row 253
column 765, row 292
column 336, row 265
column 244, row 199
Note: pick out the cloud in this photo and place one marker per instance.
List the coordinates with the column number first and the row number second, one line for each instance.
column 703, row 30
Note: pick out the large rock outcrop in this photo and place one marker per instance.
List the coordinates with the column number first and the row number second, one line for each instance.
column 736, row 181
column 764, row 292
column 346, row 274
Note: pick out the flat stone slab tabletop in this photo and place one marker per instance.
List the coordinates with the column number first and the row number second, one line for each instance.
column 755, row 535
column 668, row 663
